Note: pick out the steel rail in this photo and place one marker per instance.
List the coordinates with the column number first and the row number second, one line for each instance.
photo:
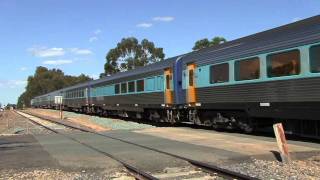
column 136, row 172
column 205, row 166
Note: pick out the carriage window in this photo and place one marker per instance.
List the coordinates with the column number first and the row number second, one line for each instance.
column 117, row 88
column 159, row 83
column 140, row 85
column 191, row 77
column 131, row 87
column 247, row 69
column 219, row 73
column 168, row 81
column 123, row 87
column 284, row 64
column 315, row 58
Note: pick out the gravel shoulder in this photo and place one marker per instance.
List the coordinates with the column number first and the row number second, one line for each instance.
column 14, row 124
column 246, row 144
column 297, row 169
column 93, row 122
column 63, row 174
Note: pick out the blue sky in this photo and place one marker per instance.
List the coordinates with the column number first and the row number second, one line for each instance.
column 75, row 35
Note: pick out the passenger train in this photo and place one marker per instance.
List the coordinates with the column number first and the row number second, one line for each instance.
column 271, row 76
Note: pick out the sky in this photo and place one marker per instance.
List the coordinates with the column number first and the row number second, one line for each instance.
column 75, row 35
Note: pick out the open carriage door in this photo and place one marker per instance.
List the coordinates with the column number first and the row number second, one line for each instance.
column 191, row 86
column 168, row 92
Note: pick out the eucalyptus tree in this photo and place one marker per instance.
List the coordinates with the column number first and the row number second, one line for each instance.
column 129, row 54
column 204, row 43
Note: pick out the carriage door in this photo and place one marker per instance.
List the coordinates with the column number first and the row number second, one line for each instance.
column 191, row 90
column 168, row 94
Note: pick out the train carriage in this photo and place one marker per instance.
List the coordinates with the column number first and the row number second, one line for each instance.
column 245, row 83
column 142, row 92
column 266, row 77
column 76, row 97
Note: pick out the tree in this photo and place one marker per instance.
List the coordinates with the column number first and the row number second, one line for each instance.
column 129, row 54
column 45, row 80
column 217, row 40
column 204, row 43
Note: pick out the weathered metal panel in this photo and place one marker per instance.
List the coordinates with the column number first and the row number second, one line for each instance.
column 155, row 98
column 295, row 90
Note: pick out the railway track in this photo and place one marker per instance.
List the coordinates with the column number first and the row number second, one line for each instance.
column 136, row 172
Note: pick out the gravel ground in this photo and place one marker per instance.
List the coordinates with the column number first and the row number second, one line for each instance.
column 57, row 174
column 307, row 169
column 118, row 124
column 12, row 123
column 185, row 173
column 115, row 124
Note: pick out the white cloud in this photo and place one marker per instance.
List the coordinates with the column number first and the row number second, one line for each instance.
column 23, row 68
column 93, row 38
column 163, row 18
column 46, row 52
column 144, row 25
column 78, row 51
column 57, row 62
column 97, row 31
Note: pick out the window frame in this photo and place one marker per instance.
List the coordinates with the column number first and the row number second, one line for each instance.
column 117, row 88
column 191, row 80
column 211, row 80
column 269, row 63
column 310, row 58
column 168, row 81
column 159, row 82
column 134, row 87
column 126, row 89
column 237, row 68
column 137, row 88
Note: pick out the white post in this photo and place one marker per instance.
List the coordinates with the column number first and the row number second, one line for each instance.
column 282, row 142
column 27, row 127
column 58, row 101
column 7, row 123
column 61, row 116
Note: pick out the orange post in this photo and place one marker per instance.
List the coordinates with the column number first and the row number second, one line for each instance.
column 282, row 142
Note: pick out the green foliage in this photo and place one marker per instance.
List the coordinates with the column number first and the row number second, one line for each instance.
column 130, row 54
column 204, row 43
column 217, row 40
column 45, row 80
